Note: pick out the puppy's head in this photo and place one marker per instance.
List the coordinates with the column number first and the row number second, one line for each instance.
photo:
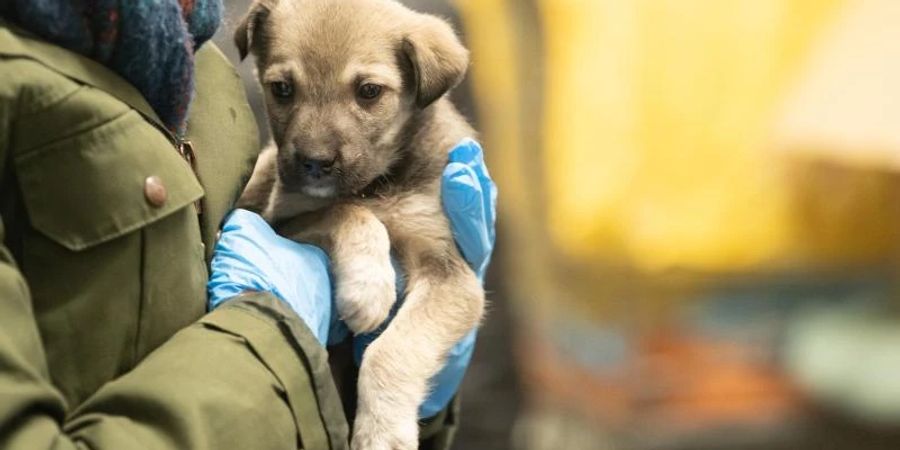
column 342, row 80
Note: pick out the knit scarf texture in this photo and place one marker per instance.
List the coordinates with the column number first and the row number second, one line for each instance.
column 150, row 43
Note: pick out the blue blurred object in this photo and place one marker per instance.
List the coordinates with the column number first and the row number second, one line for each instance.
column 470, row 202
column 249, row 256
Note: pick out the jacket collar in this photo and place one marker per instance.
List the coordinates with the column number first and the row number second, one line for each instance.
column 18, row 43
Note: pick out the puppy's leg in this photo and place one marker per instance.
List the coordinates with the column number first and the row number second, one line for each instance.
column 360, row 252
column 444, row 301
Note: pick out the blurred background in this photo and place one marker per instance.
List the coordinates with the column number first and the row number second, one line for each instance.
column 699, row 232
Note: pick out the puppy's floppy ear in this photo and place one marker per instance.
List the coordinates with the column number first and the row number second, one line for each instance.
column 437, row 59
column 247, row 30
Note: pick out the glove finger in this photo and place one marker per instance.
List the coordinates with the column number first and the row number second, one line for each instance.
column 307, row 288
column 461, row 196
column 242, row 235
column 228, row 280
column 233, row 269
column 469, row 152
column 446, row 383
column 254, row 247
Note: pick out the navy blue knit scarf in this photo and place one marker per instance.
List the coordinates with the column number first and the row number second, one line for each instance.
column 150, row 43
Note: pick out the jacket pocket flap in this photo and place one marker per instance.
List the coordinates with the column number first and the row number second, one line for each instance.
column 90, row 188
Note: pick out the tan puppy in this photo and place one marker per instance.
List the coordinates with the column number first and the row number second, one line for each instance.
column 361, row 127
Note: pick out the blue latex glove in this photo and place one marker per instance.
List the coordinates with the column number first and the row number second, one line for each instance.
column 249, row 256
column 470, row 202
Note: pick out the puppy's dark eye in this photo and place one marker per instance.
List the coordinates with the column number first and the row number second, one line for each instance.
column 282, row 89
column 369, row 91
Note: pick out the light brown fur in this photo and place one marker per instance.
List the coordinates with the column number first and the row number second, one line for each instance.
column 383, row 191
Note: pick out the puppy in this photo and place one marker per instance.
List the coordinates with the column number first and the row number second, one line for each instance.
column 355, row 93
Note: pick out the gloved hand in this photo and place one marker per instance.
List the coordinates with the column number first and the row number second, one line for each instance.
column 470, row 202
column 249, row 256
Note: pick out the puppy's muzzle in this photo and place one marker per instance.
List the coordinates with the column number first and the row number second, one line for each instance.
column 311, row 175
column 316, row 169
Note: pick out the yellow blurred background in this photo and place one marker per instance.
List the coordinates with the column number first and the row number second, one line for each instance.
column 699, row 208
column 657, row 139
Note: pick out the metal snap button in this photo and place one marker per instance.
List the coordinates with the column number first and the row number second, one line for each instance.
column 154, row 191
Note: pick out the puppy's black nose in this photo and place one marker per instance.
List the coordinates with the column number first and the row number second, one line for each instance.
column 317, row 168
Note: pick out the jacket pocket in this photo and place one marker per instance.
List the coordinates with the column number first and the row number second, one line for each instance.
column 89, row 188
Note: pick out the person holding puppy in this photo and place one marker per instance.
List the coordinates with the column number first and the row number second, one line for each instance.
column 125, row 139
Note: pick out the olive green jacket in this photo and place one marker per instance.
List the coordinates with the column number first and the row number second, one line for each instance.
column 104, row 338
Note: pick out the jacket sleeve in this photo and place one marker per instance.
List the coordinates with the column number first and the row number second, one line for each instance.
column 248, row 375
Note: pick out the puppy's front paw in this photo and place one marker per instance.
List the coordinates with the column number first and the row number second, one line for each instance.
column 365, row 291
column 372, row 434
